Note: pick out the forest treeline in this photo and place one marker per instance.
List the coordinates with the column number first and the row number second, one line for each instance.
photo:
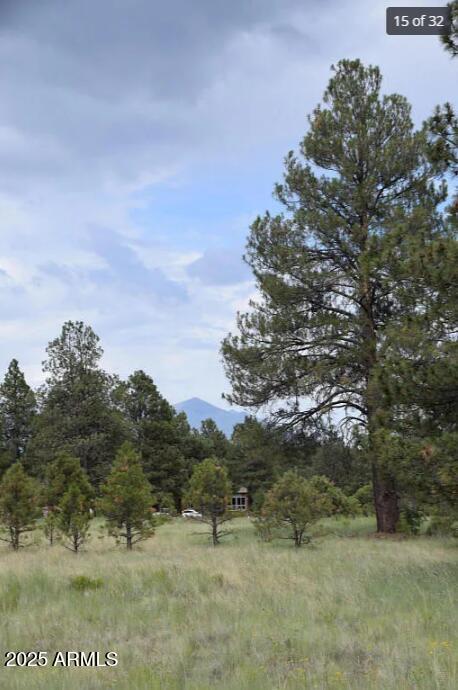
column 86, row 413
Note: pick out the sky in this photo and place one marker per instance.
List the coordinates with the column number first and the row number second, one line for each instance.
column 139, row 140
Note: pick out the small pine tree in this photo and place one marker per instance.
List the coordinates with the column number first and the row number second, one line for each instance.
column 209, row 489
column 19, row 504
column 50, row 526
column 127, row 498
column 73, row 517
column 295, row 503
column 61, row 473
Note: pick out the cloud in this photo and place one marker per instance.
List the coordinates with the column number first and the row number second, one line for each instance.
column 138, row 141
column 219, row 267
column 126, row 272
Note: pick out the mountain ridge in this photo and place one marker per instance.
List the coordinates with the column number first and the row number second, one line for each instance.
column 197, row 410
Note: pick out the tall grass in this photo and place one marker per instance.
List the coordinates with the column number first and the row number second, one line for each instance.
column 349, row 612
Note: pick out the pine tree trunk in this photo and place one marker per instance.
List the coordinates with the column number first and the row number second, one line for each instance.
column 214, row 531
column 383, row 485
column 129, row 537
column 385, row 502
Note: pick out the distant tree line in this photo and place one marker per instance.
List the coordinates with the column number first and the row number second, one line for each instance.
column 84, row 413
column 86, row 440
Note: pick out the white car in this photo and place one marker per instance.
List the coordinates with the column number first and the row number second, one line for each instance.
column 191, row 513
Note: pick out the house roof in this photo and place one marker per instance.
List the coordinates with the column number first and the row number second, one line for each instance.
column 242, row 490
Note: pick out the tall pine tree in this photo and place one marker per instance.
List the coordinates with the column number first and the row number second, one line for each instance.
column 77, row 414
column 162, row 437
column 334, row 272
column 17, row 411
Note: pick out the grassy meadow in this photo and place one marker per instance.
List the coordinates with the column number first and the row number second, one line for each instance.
column 348, row 612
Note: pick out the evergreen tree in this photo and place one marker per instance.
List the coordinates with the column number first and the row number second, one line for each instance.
column 19, row 504
column 63, row 472
column 443, row 137
column 343, row 464
column 162, row 437
column 335, row 273
column 5, row 455
column 77, row 414
column 215, row 440
column 257, row 457
column 209, row 491
column 51, row 526
column 450, row 39
column 295, row 503
column 73, row 518
column 17, row 411
column 127, row 498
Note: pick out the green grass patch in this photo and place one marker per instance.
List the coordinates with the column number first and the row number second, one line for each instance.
column 349, row 612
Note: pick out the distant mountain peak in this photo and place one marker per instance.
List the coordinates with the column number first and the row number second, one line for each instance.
column 197, row 410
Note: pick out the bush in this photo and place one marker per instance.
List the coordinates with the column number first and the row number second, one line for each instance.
column 82, row 583
column 410, row 518
column 295, row 504
column 365, row 498
column 264, row 528
column 443, row 525
column 341, row 504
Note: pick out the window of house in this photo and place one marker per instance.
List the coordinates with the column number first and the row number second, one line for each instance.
column 238, row 503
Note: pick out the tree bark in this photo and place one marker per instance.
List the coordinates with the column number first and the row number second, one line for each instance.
column 383, row 485
column 129, row 537
column 214, row 531
column 385, row 502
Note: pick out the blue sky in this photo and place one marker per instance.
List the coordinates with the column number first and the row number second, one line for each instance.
column 138, row 141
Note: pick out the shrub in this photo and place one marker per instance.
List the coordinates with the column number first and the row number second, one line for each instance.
column 295, row 503
column 82, row 583
column 365, row 497
column 264, row 527
column 443, row 525
column 410, row 518
column 340, row 503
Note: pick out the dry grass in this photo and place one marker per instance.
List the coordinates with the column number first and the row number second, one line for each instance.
column 349, row 613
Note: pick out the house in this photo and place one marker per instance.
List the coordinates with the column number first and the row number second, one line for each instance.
column 240, row 500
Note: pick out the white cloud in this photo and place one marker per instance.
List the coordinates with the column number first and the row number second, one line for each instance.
column 103, row 110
